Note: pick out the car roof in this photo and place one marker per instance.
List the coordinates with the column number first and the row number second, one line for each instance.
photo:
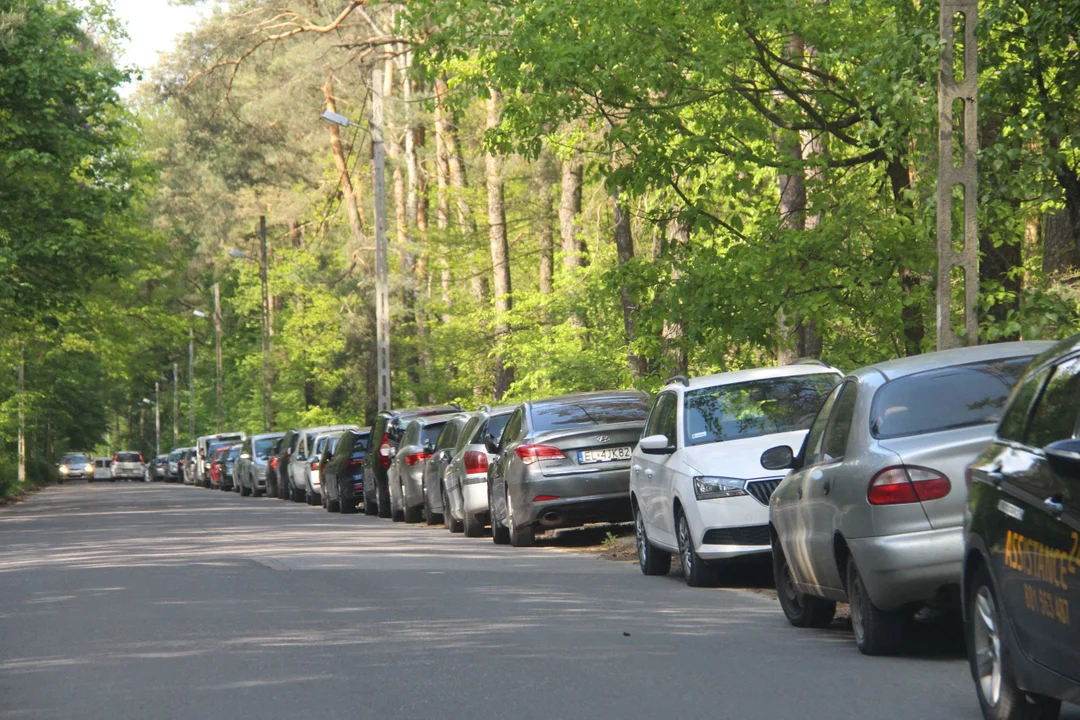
column 442, row 418
column 595, row 395
column 901, row 367
column 749, row 375
column 425, row 409
column 263, row 436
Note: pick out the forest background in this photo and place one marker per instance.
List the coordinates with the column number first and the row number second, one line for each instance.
column 582, row 194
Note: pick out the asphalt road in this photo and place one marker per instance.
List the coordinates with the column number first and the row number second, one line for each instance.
column 150, row 601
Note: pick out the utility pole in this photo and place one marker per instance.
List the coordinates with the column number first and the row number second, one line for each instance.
column 191, row 384
column 176, row 405
column 157, row 418
column 217, row 352
column 382, row 292
column 957, row 96
column 22, row 414
column 268, row 380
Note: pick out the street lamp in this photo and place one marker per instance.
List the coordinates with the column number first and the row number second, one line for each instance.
column 382, row 292
column 217, row 352
column 157, row 417
column 267, row 321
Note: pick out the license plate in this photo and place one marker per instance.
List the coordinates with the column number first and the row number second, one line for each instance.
column 586, row 457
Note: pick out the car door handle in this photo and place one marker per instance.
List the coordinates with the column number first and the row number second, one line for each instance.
column 636, row 468
column 1055, row 504
column 649, row 473
column 825, row 488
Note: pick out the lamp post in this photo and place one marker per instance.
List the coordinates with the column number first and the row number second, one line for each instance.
column 217, row 353
column 267, row 324
column 157, row 416
column 191, row 382
column 382, row 293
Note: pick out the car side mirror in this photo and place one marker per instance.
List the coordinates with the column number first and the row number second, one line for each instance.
column 1063, row 457
column 780, row 457
column 656, row 445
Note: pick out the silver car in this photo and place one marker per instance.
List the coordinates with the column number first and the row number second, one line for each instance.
column 464, row 483
column 448, row 442
column 128, row 465
column 254, row 463
column 564, row 462
column 313, row 473
column 872, row 512
column 300, row 461
column 406, row 473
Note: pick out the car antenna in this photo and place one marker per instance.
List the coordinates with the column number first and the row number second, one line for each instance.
column 678, row 378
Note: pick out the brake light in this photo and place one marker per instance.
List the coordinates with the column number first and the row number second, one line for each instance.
column 315, row 464
column 543, row 498
column 384, row 450
column 116, row 458
column 354, row 462
column 530, row 454
column 414, row 458
column 900, row 484
column 141, row 459
column 273, row 463
column 475, row 462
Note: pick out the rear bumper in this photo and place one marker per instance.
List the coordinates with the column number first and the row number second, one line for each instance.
column 913, row 567
column 352, row 490
column 572, row 512
column 475, row 498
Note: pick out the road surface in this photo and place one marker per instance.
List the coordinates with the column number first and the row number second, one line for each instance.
column 150, row 601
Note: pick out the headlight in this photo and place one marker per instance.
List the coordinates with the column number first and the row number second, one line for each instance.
column 89, row 468
column 64, row 469
column 707, row 487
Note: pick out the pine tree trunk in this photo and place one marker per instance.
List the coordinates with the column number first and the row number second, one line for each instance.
column 500, row 254
column 569, row 209
column 353, row 208
column 624, row 250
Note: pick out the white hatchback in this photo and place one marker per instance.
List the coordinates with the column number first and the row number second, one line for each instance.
column 697, row 484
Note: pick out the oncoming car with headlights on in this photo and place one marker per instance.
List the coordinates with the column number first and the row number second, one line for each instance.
column 75, row 466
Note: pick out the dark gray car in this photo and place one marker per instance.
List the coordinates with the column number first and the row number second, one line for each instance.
column 406, row 474
column 564, row 462
column 253, row 466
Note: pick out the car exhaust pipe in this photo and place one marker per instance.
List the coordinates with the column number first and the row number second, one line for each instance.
column 551, row 518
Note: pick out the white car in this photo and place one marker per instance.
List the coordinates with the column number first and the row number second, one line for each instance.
column 697, row 485
column 299, row 489
column 128, row 465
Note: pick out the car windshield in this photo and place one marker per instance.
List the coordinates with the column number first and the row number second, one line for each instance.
column 751, row 409
column 585, row 412
column 128, row 457
column 264, row 446
column 946, row 398
column 75, row 459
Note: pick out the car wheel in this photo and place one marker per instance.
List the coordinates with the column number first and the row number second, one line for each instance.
column 988, row 657
column 454, row 526
column 519, row 536
column 696, row 571
column 432, row 517
column 385, row 508
column 472, row 525
column 370, row 506
column 332, row 505
column 245, row 491
column 499, row 534
column 805, row 611
column 877, row 632
column 412, row 515
column 298, row 496
column 652, row 560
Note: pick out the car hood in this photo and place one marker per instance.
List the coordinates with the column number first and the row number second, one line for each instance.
column 740, row 458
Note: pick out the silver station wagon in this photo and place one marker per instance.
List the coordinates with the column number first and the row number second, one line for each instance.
column 872, row 512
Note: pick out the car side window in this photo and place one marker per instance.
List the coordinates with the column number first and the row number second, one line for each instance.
column 816, row 435
column 843, row 413
column 1054, row 416
column 467, row 432
column 666, row 424
column 510, row 432
column 1014, row 421
column 447, row 437
column 653, row 421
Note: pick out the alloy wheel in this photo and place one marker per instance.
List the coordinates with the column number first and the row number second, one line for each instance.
column 855, row 601
column 639, row 534
column 686, row 546
column 987, row 646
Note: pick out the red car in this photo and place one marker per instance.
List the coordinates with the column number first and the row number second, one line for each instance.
column 217, row 462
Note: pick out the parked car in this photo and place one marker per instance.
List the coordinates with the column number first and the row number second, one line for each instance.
column 465, row 500
column 324, row 450
column 343, row 476
column 385, row 435
column 435, row 467
column 406, row 473
column 102, row 470
column 159, row 468
column 172, row 472
column 1022, row 545
column 285, row 451
column 564, row 462
column 300, row 462
column 228, row 468
column 215, row 462
column 253, row 466
column 128, row 465
column 187, row 467
column 75, row 466
column 205, row 447
column 312, row 471
column 208, row 478
column 872, row 512
column 697, row 485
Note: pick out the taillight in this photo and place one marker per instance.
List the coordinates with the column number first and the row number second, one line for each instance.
column 900, row 484
column 384, row 450
column 116, row 458
column 354, row 462
column 315, row 464
column 141, row 459
column 273, row 463
column 545, row 498
column 413, row 458
column 475, row 462
column 530, row 454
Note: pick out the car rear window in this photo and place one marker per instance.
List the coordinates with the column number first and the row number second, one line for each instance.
column 758, row 407
column 945, row 398
column 361, row 443
column 582, row 413
column 264, row 446
column 127, row 457
column 429, row 434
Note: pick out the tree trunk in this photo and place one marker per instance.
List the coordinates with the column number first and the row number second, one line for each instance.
column 1059, row 250
column 913, row 314
column 442, row 206
column 792, row 217
column 500, row 254
column 569, row 209
column 674, row 326
column 624, row 250
column 456, row 164
column 353, row 208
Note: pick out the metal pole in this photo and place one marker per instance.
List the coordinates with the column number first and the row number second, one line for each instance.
column 217, row 352
column 157, row 419
column 950, row 175
column 382, row 292
column 191, row 384
column 264, row 278
column 22, row 414
column 176, row 405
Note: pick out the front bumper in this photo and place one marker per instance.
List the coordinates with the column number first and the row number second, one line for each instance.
column 913, row 567
column 724, row 528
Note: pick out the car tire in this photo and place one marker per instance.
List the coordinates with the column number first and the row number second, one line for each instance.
column 499, row 534
column 245, row 491
column 995, row 686
column 297, row 496
column 519, row 536
column 309, row 498
column 877, row 632
column 430, row 516
column 696, row 571
column 348, row 507
column 472, row 525
column 651, row 559
column 371, row 507
column 412, row 515
column 386, row 509
column 804, row 611
column 330, row 504
column 454, row 526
